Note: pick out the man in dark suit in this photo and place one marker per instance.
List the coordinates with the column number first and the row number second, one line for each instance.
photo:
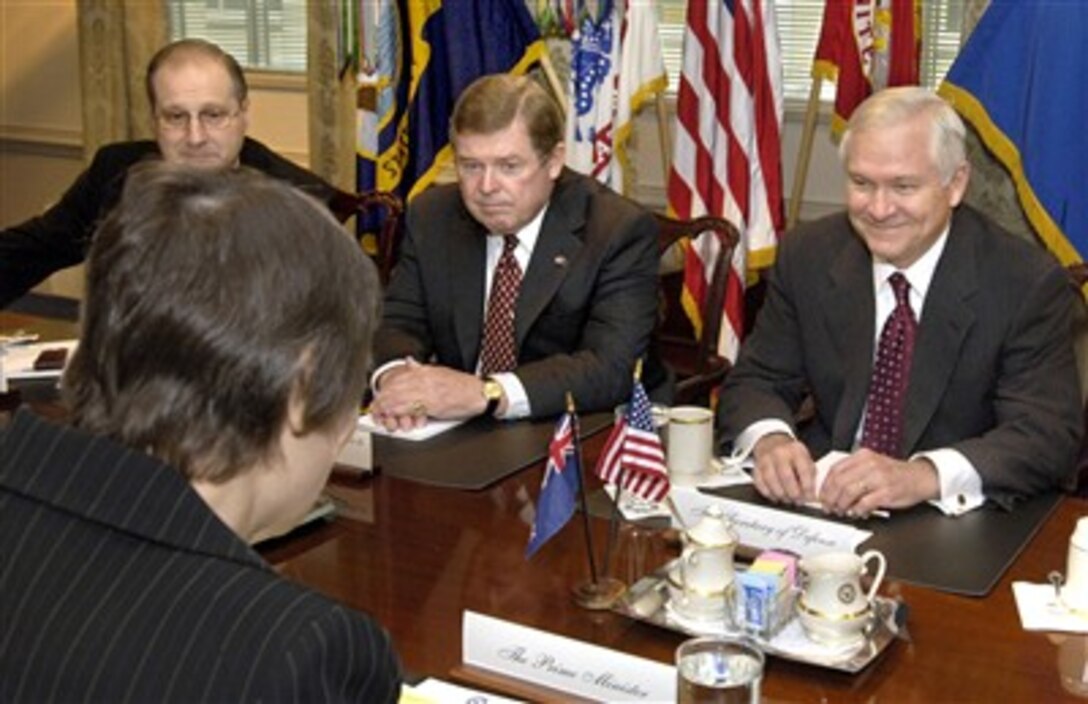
column 225, row 344
column 988, row 402
column 587, row 298
column 197, row 94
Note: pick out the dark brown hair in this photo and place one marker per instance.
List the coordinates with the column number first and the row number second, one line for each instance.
column 492, row 103
column 211, row 298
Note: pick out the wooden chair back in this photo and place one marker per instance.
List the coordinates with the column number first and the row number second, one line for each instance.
column 693, row 357
column 390, row 208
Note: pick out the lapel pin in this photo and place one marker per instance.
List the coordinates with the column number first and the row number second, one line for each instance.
column 560, row 260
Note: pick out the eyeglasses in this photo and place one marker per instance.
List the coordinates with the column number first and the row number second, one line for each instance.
column 210, row 118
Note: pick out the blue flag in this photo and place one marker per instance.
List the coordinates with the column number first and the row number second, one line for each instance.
column 559, row 490
column 421, row 55
column 1022, row 81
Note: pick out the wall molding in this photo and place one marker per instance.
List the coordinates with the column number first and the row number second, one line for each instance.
column 47, row 140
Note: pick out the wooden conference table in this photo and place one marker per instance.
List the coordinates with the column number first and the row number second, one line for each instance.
column 416, row 556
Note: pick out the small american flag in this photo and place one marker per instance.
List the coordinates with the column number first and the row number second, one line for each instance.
column 633, row 456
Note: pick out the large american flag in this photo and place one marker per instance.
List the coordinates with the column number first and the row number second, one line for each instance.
column 632, row 456
column 727, row 150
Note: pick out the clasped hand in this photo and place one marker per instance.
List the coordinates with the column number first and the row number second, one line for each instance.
column 413, row 392
column 857, row 485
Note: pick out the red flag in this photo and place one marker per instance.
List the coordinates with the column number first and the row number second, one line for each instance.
column 866, row 45
column 727, row 155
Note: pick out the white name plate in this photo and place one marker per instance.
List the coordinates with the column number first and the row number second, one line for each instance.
column 563, row 664
column 768, row 528
column 358, row 452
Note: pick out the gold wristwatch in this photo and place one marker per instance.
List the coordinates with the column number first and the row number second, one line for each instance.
column 492, row 394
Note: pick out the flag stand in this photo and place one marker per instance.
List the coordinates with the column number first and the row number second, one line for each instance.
column 600, row 592
column 804, row 152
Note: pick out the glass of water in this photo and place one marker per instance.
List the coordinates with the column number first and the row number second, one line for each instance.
column 716, row 670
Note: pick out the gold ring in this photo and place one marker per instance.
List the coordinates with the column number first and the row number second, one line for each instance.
column 418, row 409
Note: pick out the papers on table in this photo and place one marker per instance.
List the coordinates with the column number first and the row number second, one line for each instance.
column 724, row 472
column 433, row 691
column 433, row 427
column 1040, row 609
column 767, row 528
column 17, row 359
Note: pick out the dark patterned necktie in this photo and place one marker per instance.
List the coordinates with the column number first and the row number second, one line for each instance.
column 498, row 351
column 883, row 431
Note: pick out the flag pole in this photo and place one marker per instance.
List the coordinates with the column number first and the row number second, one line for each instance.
column 556, row 85
column 804, row 152
column 614, row 514
column 599, row 592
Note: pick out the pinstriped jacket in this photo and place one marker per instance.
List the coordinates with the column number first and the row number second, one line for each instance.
column 118, row 583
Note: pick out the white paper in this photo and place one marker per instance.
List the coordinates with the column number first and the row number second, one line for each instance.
column 431, row 428
column 19, row 359
column 441, row 692
column 724, row 472
column 563, row 664
column 767, row 528
column 1040, row 609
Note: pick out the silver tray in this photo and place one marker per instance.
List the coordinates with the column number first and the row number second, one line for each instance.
column 647, row 600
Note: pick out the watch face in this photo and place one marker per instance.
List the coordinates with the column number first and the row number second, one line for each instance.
column 492, row 389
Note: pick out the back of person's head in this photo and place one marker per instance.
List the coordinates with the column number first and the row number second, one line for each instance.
column 212, row 298
column 894, row 106
column 492, row 103
column 184, row 50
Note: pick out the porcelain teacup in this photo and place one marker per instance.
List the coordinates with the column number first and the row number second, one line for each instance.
column 833, row 608
column 690, row 445
column 702, row 579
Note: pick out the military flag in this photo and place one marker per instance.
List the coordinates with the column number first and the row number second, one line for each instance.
column 616, row 67
column 1020, row 80
column 866, row 45
column 417, row 57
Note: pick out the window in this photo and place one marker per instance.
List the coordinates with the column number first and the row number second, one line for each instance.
column 799, row 28
column 260, row 34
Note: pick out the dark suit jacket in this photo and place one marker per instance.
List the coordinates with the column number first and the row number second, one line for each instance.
column 993, row 374
column 585, row 311
column 61, row 236
column 118, row 583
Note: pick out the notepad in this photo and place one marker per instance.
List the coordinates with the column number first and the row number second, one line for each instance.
column 429, row 430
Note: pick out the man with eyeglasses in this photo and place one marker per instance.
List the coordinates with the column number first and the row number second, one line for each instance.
column 199, row 103
column 521, row 282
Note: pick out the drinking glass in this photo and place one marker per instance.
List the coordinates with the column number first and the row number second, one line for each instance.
column 715, row 670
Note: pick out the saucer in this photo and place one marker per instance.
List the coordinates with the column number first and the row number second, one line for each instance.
column 713, row 471
column 830, row 631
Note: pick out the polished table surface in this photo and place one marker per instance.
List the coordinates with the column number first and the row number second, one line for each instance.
column 416, row 557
